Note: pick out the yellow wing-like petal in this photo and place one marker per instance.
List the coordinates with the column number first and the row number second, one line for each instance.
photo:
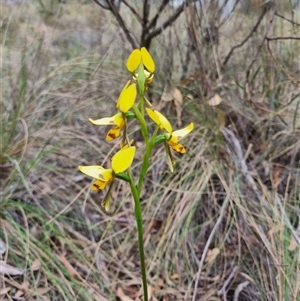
column 125, row 87
column 160, row 120
column 178, row 135
column 127, row 98
column 113, row 133
column 164, row 122
column 122, row 159
column 97, row 172
column 147, row 60
column 153, row 116
column 134, row 60
column 116, row 119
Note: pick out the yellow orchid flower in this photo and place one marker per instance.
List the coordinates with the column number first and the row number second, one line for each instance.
column 174, row 137
column 120, row 162
column 124, row 104
column 139, row 56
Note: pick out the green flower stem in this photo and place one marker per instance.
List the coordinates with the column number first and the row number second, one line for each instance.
column 138, row 217
column 144, row 169
column 145, row 164
column 142, row 122
column 142, row 105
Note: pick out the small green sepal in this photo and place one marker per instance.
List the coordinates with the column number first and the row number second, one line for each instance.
column 160, row 139
column 130, row 115
column 122, row 176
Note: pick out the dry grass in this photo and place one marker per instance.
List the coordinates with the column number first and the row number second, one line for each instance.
column 224, row 226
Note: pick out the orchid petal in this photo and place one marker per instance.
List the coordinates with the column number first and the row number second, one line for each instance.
column 116, row 119
column 127, row 98
column 134, row 60
column 97, row 172
column 147, row 60
column 160, row 120
column 98, row 185
column 124, row 88
column 180, row 134
column 177, row 147
column 113, row 133
column 122, row 159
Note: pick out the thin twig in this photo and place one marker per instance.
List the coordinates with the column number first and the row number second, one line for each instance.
column 246, row 39
column 153, row 22
column 166, row 24
column 284, row 18
column 259, row 49
column 232, row 10
column 282, row 38
column 121, row 22
column 222, row 291
column 209, row 240
column 277, row 62
column 239, row 288
column 145, row 30
column 135, row 13
column 206, row 87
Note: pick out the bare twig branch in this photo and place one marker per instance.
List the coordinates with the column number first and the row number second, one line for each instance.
column 284, row 18
column 282, row 38
column 259, row 49
column 102, row 4
column 146, row 11
column 290, row 77
column 165, row 25
column 246, row 39
column 114, row 9
column 123, row 26
column 134, row 12
column 159, row 11
column 232, row 10
column 205, row 87
column 105, row 3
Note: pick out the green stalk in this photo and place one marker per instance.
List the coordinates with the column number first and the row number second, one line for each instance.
column 142, row 122
column 145, row 164
column 138, row 217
